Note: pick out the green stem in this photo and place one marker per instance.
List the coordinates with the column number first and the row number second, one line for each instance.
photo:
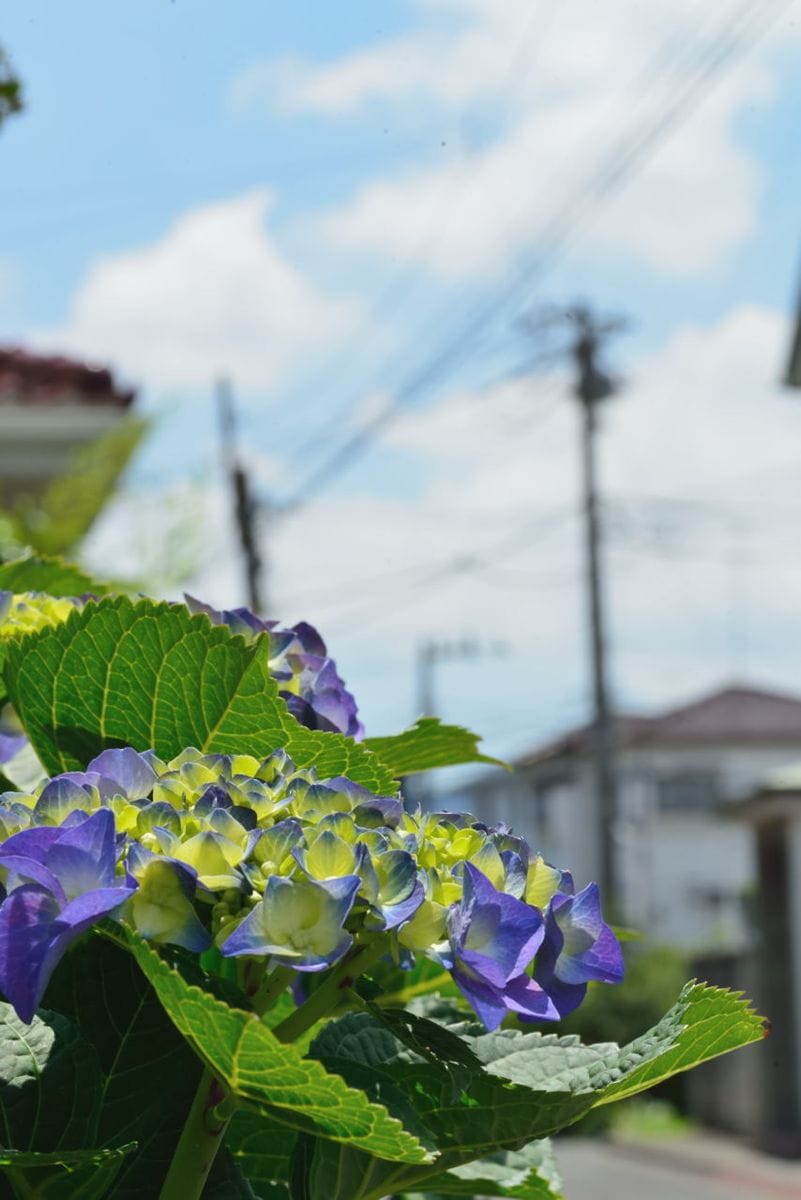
column 329, row 995
column 199, row 1142
column 272, row 987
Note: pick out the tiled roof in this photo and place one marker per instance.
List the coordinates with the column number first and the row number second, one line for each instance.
column 33, row 379
column 730, row 715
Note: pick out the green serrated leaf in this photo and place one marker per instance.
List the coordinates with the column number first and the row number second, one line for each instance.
column 150, row 1074
column 50, row 1081
column 705, row 1023
column 269, row 1076
column 427, row 745
column 67, row 1175
column 527, row 1174
column 531, row 1084
column 263, row 1150
column 151, row 675
column 35, row 573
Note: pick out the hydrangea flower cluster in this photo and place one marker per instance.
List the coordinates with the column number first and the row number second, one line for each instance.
column 25, row 612
column 271, row 864
column 20, row 613
column 309, row 681
column 307, row 677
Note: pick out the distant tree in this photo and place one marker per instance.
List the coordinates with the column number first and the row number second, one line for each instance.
column 59, row 520
column 10, row 89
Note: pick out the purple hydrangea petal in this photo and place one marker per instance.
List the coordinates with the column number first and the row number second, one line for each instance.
column 525, row 997
column 19, row 871
column 35, row 932
column 502, row 927
column 298, row 923
column 486, row 1001
column 10, row 745
column 29, row 938
column 58, row 799
column 128, row 769
column 83, row 857
column 590, row 950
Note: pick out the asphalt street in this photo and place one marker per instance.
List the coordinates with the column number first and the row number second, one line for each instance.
column 596, row 1170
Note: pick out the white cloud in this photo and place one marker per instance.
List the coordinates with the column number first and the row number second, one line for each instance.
column 694, row 201
column 565, row 87
column 214, row 294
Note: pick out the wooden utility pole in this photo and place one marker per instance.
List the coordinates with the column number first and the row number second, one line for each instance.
column 430, row 652
column 591, row 387
column 246, row 509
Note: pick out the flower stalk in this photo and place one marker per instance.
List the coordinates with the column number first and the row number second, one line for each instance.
column 200, row 1139
column 334, row 989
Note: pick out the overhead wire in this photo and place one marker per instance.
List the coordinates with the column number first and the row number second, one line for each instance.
column 403, row 280
column 521, row 539
column 628, row 155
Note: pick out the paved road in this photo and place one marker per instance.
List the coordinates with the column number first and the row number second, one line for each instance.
column 594, row 1170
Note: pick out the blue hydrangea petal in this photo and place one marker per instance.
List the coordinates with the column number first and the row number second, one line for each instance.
column 486, row 1001
column 35, row 932
column 161, row 909
column 298, row 923
column 18, row 871
column 130, row 770
column 525, row 997
column 83, row 857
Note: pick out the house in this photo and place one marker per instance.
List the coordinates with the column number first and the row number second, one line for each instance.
column 686, row 867
column 49, row 407
column 774, row 814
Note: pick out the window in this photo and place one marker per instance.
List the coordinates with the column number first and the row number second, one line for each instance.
column 688, row 791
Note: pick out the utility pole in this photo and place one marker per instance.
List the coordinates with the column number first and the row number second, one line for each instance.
column 430, row 652
column 246, row 509
column 792, row 375
column 591, row 387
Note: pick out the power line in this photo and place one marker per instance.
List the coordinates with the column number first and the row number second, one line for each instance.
column 403, row 280
column 464, row 564
column 627, row 157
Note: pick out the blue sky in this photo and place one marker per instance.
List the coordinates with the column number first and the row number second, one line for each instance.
column 319, row 200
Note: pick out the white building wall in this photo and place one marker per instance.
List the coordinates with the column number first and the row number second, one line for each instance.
column 684, row 876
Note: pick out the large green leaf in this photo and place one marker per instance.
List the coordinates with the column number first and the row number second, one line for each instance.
column 62, row 1175
column 528, row 1086
column 50, row 1082
column 429, row 744
column 151, row 675
column 57, row 521
column 263, row 1150
column 150, row 1074
column 271, row 1077
column 527, row 1174
column 34, row 573
column 50, row 1088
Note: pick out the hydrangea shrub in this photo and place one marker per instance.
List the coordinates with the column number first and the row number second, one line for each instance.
column 233, row 963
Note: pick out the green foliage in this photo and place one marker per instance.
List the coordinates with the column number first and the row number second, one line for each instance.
column 50, row 1095
column 37, row 573
column 269, row 1076
column 528, row 1086
column 72, row 1175
column 263, row 1150
column 151, row 675
column 429, row 744
column 10, row 89
column 101, row 989
column 527, row 1174
column 58, row 521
